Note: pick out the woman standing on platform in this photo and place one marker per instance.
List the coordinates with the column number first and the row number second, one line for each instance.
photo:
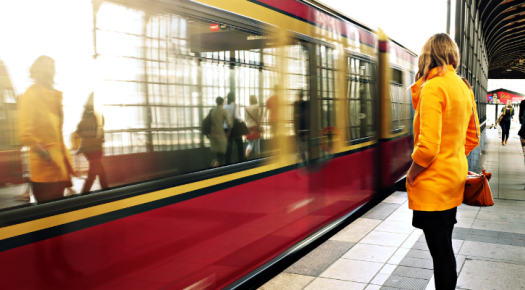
column 506, row 116
column 444, row 133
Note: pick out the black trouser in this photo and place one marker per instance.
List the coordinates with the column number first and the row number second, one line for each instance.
column 229, row 149
column 505, row 130
column 94, row 159
column 220, row 158
column 440, row 245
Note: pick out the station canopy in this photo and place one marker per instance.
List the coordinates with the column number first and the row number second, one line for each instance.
column 503, row 24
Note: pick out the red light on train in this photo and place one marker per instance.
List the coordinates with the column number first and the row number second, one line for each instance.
column 214, row 27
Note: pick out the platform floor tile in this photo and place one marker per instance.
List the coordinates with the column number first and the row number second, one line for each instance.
column 324, row 283
column 489, row 275
column 315, row 262
column 288, row 281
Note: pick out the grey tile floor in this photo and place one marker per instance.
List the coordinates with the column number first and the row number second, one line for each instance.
column 381, row 250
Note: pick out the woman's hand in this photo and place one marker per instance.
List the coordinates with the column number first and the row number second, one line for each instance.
column 413, row 172
column 42, row 152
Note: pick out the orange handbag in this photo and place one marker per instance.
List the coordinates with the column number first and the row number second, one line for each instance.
column 477, row 188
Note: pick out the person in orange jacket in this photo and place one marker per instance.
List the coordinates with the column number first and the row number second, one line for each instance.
column 40, row 120
column 444, row 134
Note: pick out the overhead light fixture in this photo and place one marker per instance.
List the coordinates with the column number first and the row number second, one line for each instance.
column 509, row 69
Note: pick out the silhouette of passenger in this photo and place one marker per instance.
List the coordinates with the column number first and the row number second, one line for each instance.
column 233, row 111
column 271, row 112
column 218, row 136
column 302, row 132
column 40, row 121
column 91, row 132
column 507, row 113
column 253, row 118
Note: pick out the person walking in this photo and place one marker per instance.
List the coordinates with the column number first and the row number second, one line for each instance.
column 253, row 118
column 271, row 111
column 506, row 116
column 40, row 120
column 302, row 132
column 218, row 136
column 444, row 134
column 91, row 132
column 233, row 111
column 522, row 110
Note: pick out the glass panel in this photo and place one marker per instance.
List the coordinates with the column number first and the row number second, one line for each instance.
column 154, row 79
column 360, row 98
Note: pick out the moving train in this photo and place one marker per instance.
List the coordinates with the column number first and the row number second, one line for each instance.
column 169, row 220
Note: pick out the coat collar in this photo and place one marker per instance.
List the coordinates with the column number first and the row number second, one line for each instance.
column 418, row 86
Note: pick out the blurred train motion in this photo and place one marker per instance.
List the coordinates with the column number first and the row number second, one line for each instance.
column 336, row 120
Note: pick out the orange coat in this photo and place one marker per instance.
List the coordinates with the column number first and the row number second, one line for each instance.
column 40, row 120
column 444, row 134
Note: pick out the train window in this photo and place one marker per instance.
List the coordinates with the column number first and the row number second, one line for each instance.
column 397, row 100
column 360, row 97
column 326, row 86
column 296, row 76
column 157, row 103
column 154, row 79
column 297, row 89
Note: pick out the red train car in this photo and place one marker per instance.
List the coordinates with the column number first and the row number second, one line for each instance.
column 338, row 132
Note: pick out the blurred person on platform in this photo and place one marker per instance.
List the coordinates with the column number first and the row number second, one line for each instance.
column 270, row 111
column 40, row 120
column 522, row 111
column 444, row 134
column 301, row 127
column 253, row 118
column 91, row 132
column 235, row 116
column 218, row 135
column 521, row 133
column 506, row 115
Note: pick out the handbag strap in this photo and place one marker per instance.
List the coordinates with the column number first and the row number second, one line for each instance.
column 246, row 109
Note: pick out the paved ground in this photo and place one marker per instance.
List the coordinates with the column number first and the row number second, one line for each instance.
column 381, row 250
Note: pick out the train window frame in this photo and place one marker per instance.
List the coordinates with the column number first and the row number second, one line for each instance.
column 371, row 108
column 230, row 61
column 326, row 66
column 397, row 112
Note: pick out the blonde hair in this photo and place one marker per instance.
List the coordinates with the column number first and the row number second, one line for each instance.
column 439, row 51
column 41, row 66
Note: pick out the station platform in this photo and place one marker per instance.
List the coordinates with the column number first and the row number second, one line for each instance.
column 381, row 249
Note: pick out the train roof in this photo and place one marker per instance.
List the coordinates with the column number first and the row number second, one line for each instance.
column 338, row 14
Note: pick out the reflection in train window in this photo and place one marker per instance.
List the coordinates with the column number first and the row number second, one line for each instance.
column 360, row 121
column 398, row 100
column 325, row 86
column 161, row 75
column 410, row 109
column 295, row 81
